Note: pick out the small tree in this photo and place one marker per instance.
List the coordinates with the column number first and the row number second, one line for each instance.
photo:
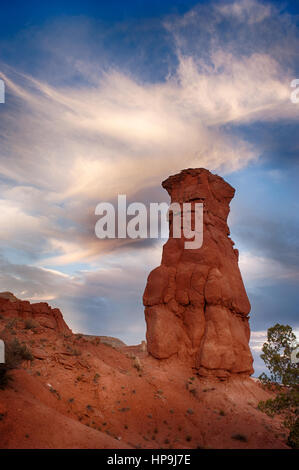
column 284, row 373
column 277, row 351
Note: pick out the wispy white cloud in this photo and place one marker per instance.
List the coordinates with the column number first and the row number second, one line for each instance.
column 247, row 11
column 73, row 147
column 262, row 270
column 257, row 339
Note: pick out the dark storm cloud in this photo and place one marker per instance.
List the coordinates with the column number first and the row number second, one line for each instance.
column 273, row 304
column 276, row 239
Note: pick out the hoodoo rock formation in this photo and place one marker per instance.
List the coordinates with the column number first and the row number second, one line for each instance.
column 196, row 306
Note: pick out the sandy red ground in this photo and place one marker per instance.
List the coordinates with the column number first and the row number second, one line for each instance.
column 79, row 393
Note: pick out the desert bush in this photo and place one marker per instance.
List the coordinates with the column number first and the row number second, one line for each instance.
column 73, row 351
column 15, row 354
column 11, row 324
column 55, row 392
column 30, row 324
column 239, row 437
column 96, row 378
column 4, row 377
column 293, row 439
column 284, row 376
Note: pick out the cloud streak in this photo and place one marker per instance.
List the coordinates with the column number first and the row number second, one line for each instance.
column 77, row 146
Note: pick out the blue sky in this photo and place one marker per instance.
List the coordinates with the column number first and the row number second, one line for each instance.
column 110, row 97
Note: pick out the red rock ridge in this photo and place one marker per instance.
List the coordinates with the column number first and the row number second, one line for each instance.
column 41, row 312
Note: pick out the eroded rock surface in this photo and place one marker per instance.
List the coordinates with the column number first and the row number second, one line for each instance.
column 196, row 306
column 41, row 313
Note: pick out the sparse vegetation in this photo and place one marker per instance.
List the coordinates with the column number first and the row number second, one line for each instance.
column 15, row 354
column 96, row 378
column 30, row 324
column 55, row 392
column 284, row 377
column 73, row 351
column 239, row 437
column 11, row 324
column 293, row 439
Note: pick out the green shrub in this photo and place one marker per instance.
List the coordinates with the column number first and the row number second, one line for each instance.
column 15, row 354
column 277, row 352
column 293, row 439
column 30, row 324
column 239, row 437
column 284, row 378
column 10, row 324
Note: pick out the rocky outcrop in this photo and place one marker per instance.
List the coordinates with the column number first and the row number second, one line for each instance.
column 8, row 296
column 196, row 306
column 42, row 314
column 108, row 340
